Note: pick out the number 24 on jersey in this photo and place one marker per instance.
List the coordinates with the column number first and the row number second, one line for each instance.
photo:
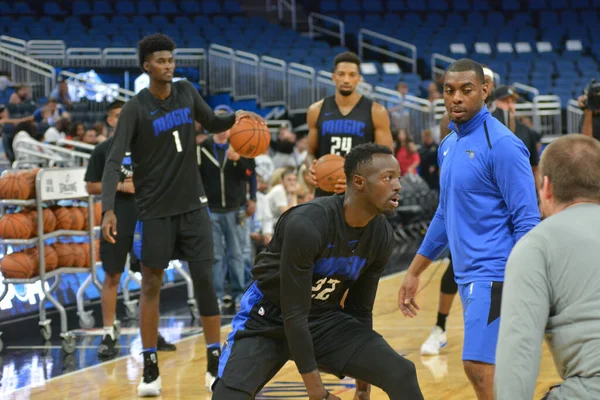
column 340, row 145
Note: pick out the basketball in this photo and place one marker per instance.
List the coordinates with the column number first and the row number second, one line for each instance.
column 29, row 178
column 85, row 213
column 78, row 255
column 328, row 170
column 85, row 248
column 34, row 256
column 64, row 253
column 15, row 226
column 77, row 218
column 63, row 218
column 14, row 187
column 249, row 138
column 16, row 266
column 50, row 221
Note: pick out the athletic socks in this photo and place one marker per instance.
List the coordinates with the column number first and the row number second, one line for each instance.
column 109, row 331
column 213, row 346
column 441, row 321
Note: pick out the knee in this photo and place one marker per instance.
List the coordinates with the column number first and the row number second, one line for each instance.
column 151, row 284
column 112, row 280
column 478, row 373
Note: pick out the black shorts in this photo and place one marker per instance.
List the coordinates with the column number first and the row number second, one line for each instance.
column 186, row 237
column 256, row 349
column 114, row 256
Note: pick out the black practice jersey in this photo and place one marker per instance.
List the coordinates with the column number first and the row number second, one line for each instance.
column 125, row 207
column 339, row 133
column 162, row 139
column 310, row 262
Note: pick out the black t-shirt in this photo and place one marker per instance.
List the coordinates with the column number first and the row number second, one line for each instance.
column 162, row 140
column 312, row 259
column 429, row 159
column 529, row 138
column 125, row 207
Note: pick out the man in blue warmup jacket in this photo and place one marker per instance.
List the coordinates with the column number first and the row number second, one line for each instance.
column 487, row 203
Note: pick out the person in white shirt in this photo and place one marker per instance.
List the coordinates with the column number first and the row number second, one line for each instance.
column 284, row 195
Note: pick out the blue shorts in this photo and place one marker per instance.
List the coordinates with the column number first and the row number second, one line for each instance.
column 481, row 311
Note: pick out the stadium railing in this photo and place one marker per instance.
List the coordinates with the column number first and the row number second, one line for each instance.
column 301, row 82
column 40, row 76
column 246, row 78
column 272, row 87
column 220, row 69
column 368, row 38
column 574, row 117
column 314, row 26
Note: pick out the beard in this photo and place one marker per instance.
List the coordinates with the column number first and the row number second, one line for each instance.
column 345, row 92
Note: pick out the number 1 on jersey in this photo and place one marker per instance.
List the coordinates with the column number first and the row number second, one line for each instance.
column 340, row 144
column 177, row 141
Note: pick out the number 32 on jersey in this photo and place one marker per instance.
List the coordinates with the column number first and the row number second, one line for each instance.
column 323, row 288
column 340, row 145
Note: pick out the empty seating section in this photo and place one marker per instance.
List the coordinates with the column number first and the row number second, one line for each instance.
column 547, row 44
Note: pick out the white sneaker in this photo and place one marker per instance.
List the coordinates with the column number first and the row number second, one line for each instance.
column 434, row 342
column 210, row 381
column 151, row 389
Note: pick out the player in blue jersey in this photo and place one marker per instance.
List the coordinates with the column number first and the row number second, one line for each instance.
column 487, row 203
column 319, row 250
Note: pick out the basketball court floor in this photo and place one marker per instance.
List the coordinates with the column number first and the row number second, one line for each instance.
column 46, row 373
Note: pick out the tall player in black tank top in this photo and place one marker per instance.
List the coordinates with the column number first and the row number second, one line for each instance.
column 338, row 123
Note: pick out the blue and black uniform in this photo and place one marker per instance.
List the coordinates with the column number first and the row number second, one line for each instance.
column 292, row 310
column 487, row 203
column 339, row 133
column 174, row 221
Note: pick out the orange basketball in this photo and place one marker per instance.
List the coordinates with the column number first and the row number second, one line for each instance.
column 29, row 178
column 50, row 221
column 16, row 266
column 64, row 253
column 76, row 218
column 15, row 226
column 98, row 214
column 249, row 138
column 78, row 255
column 14, row 187
column 63, row 218
column 328, row 170
column 85, row 248
column 50, row 257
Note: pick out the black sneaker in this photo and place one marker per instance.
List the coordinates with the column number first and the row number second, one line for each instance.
column 107, row 347
column 163, row 345
column 150, row 384
column 212, row 367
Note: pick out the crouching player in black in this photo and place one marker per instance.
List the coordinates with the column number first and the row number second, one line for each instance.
column 292, row 310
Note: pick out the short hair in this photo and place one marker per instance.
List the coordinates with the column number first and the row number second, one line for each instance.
column 153, row 43
column 288, row 171
column 348, row 57
column 360, row 155
column 115, row 105
column 466, row 64
column 572, row 165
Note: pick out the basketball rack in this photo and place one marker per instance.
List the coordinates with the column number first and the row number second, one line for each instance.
column 57, row 184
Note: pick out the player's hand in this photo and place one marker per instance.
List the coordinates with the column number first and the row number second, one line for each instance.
column 241, row 114
column 128, row 186
column 407, row 294
column 581, row 101
column 311, row 177
column 109, row 226
column 340, row 186
column 250, row 208
column 232, row 155
column 267, row 239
